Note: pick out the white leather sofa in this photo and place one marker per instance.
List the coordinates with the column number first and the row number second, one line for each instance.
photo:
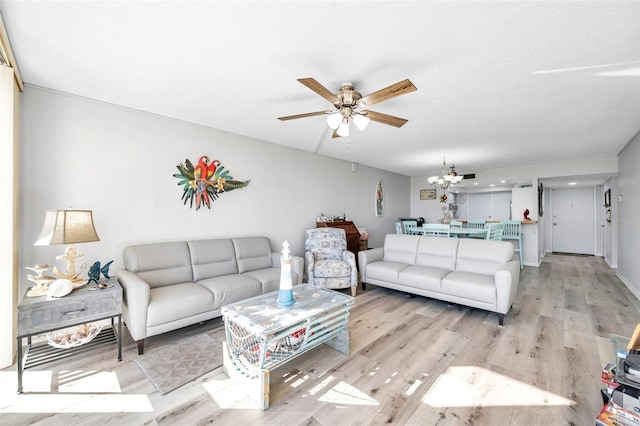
column 471, row 272
column 171, row 285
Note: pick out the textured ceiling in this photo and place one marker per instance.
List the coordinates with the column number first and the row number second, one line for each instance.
column 499, row 83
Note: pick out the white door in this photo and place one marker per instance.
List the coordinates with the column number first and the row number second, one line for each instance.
column 573, row 220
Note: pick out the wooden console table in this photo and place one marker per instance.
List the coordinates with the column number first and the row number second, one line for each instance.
column 37, row 315
column 262, row 335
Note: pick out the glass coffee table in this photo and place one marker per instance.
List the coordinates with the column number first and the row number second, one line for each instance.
column 262, row 335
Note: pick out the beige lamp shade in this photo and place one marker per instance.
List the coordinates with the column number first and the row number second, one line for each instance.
column 67, row 227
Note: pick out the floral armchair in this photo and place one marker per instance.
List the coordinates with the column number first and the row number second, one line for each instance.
column 328, row 263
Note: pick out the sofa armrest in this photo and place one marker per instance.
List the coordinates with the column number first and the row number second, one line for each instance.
column 350, row 258
column 507, row 278
column 310, row 261
column 368, row 256
column 136, row 296
column 297, row 264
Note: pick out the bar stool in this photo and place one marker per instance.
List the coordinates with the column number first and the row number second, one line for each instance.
column 512, row 231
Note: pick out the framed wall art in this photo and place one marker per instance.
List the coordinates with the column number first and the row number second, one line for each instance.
column 379, row 199
column 427, row 194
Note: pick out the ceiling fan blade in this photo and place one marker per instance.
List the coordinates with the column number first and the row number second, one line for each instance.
column 335, row 134
column 307, row 114
column 386, row 118
column 400, row 88
column 320, row 90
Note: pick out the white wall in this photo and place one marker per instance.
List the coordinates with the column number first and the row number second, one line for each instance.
column 428, row 209
column 524, row 199
column 120, row 163
column 627, row 213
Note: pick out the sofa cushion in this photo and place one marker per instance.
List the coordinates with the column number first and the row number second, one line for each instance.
column 400, row 248
column 331, row 268
column 437, row 252
column 468, row 285
column 482, row 256
column 174, row 302
column 159, row 264
column 252, row 253
column 212, row 258
column 231, row 288
column 385, row 271
column 422, row 277
column 270, row 278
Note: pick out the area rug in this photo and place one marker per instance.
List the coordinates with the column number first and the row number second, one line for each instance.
column 174, row 365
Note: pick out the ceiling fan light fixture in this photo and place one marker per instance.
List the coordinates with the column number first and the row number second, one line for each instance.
column 361, row 121
column 343, row 128
column 334, row 120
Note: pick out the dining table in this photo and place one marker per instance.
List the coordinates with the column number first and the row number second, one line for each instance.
column 453, row 231
column 468, row 232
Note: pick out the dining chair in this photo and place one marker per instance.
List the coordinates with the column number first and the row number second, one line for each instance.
column 398, row 228
column 476, row 224
column 409, row 227
column 455, row 223
column 512, row 231
column 436, row 229
column 494, row 231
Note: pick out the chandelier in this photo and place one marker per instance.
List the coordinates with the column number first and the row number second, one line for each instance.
column 447, row 178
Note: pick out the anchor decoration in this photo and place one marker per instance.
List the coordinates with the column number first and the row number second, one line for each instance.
column 71, row 255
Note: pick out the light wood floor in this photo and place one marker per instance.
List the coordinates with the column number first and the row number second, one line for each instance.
column 414, row 361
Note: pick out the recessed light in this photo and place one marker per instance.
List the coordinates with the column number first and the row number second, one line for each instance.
column 503, row 181
column 475, row 183
column 573, row 183
column 493, row 184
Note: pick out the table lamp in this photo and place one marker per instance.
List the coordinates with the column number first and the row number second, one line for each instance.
column 68, row 227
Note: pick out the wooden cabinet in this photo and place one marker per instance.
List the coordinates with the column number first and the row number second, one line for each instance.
column 353, row 236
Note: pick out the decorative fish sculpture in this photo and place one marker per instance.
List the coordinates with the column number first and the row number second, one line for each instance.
column 96, row 270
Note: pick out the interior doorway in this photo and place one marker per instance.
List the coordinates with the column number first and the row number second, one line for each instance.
column 573, row 220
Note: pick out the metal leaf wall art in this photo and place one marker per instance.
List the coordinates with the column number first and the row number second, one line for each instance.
column 205, row 182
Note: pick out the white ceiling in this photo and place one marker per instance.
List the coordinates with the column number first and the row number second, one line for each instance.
column 499, row 83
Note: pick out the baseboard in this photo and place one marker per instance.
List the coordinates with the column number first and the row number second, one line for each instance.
column 633, row 290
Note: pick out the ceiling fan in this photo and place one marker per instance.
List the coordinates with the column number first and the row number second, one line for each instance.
column 350, row 105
